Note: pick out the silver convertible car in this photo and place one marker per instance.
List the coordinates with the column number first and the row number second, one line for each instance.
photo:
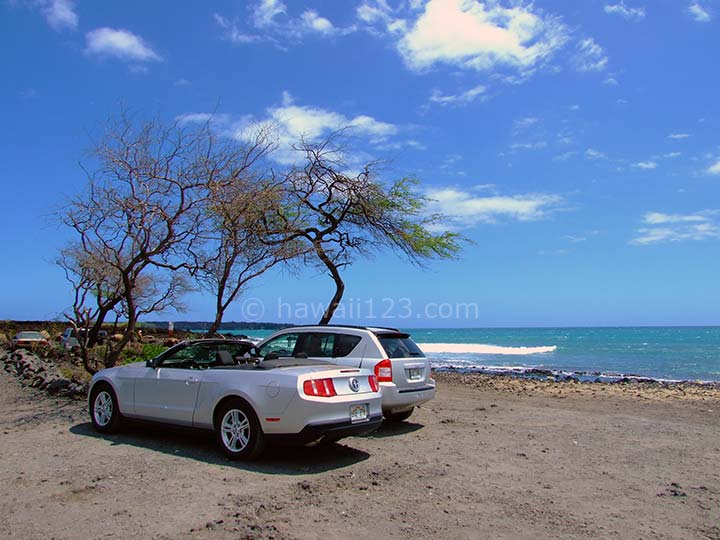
column 215, row 384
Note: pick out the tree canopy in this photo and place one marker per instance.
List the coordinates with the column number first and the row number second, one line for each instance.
column 342, row 215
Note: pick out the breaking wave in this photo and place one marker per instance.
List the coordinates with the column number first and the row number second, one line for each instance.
column 479, row 348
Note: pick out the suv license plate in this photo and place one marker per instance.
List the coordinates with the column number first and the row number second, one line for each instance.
column 358, row 413
column 414, row 374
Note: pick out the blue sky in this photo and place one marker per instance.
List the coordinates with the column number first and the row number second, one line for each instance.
column 575, row 143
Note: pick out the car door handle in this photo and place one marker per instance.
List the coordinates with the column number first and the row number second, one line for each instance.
column 191, row 380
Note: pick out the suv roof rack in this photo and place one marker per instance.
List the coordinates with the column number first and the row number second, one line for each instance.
column 359, row 327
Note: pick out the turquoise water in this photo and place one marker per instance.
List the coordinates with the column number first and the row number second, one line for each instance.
column 684, row 353
column 677, row 353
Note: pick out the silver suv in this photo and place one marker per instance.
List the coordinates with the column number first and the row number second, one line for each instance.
column 400, row 366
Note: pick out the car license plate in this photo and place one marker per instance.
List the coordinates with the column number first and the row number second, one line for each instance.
column 415, row 374
column 358, row 413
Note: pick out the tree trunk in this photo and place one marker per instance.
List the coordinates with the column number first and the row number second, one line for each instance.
column 111, row 359
column 115, row 352
column 339, row 284
column 215, row 326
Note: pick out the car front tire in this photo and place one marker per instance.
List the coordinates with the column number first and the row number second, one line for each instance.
column 400, row 416
column 104, row 410
column 238, row 431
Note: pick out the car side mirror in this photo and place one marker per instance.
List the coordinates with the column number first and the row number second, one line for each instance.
column 150, row 363
column 272, row 356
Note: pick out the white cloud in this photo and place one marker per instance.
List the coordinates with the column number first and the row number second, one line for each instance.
column 699, row 13
column 590, row 56
column 574, row 239
column 611, row 81
column 671, row 155
column 314, row 122
column 462, row 98
column 202, row 118
column 466, row 209
column 374, row 13
column 315, row 23
column 677, row 227
column 658, row 218
column 121, row 44
column 289, row 122
column 271, row 24
column 60, row 14
column 265, row 11
column 679, row 136
column 369, row 126
column 452, row 159
column 564, row 156
column 629, row 13
column 371, row 13
column 480, row 36
column 591, row 153
column 232, row 32
column 528, row 146
column 647, row 165
column 138, row 68
column 714, row 168
column 399, row 145
column 524, row 123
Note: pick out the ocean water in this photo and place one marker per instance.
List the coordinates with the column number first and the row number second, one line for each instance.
column 669, row 353
column 674, row 353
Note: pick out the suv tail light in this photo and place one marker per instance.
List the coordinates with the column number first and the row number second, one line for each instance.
column 319, row 388
column 374, row 386
column 383, row 371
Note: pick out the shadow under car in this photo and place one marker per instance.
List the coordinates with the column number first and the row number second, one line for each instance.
column 201, row 446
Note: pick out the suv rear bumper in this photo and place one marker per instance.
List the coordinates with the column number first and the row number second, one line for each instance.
column 327, row 432
column 395, row 399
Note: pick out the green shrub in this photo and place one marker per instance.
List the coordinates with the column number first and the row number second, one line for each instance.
column 141, row 354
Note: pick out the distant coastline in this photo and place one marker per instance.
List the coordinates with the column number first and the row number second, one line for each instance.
column 189, row 326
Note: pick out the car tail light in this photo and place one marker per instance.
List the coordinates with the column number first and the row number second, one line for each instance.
column 319, row 388
column 383, row 371
column 374, row 386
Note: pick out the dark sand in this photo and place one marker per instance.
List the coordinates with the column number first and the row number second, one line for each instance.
column 489, row 458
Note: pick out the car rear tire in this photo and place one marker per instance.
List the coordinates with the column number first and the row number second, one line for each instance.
column 104, row 410
column 400, row 416
column 238, row 431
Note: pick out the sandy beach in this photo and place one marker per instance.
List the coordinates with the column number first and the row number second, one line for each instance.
column 489, row 458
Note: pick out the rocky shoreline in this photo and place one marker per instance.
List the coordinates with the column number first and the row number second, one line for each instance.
column 635, row 389
column 40, row 373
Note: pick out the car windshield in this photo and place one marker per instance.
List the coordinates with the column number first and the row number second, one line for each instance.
column 400, row 346
column 29, row 335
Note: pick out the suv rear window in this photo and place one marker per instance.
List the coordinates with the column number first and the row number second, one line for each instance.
column 399, row 346
column 324, row 345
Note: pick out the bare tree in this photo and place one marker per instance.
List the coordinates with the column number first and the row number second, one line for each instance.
column 144, row 210
column 96, row 295
column 342, row 215
column 241, row 249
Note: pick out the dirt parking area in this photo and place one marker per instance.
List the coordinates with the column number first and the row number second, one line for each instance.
column 481, row 461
